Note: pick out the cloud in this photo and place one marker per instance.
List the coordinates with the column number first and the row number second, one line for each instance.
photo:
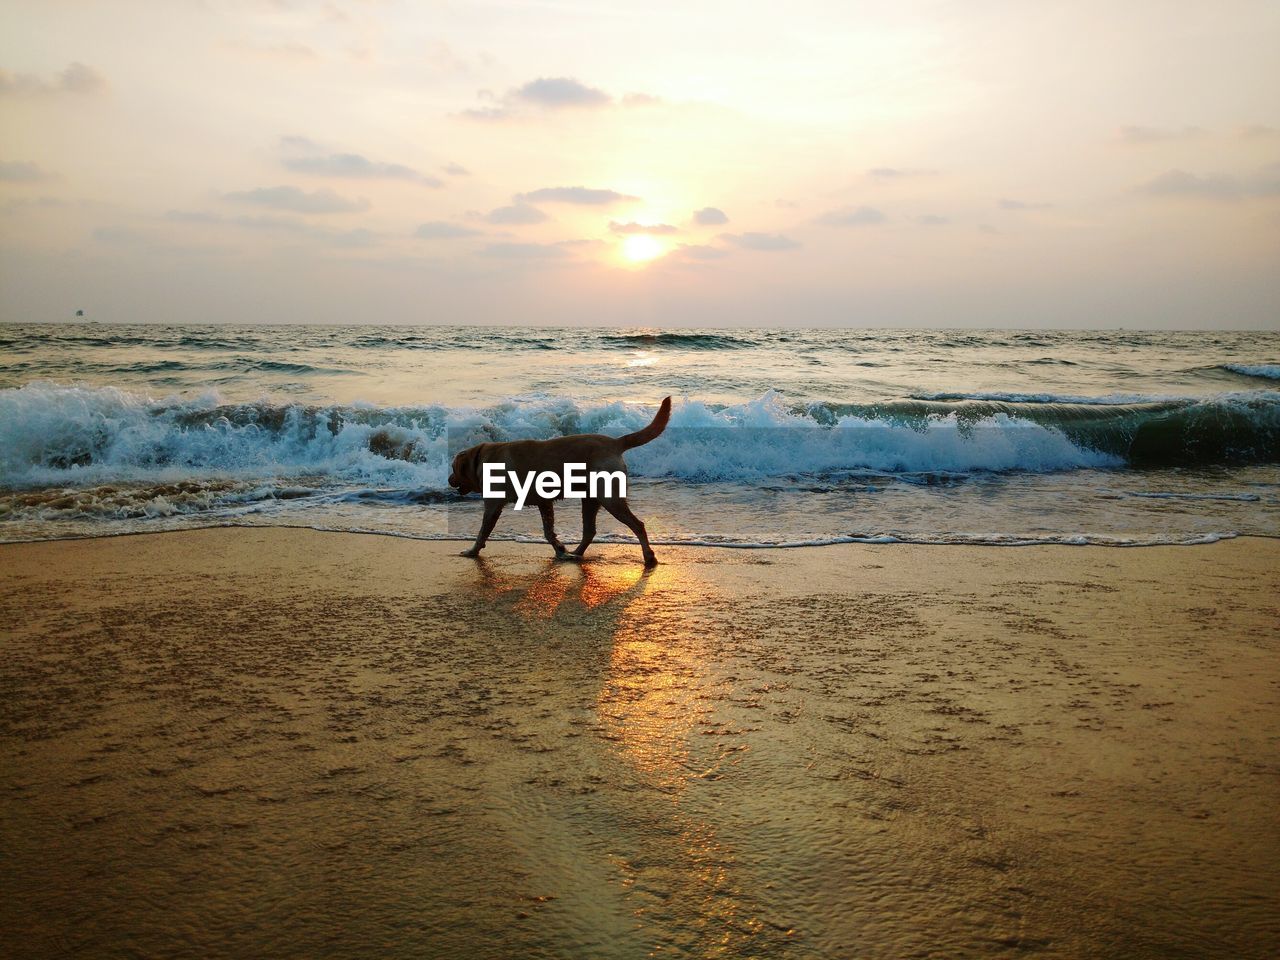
column 1139, row 136
column 898, row 173
column 580, row 195
column 851, row 217
column 442, row 230
column 1215, row 186
column 760, row 241
column 297, row 201
column 487, row 113
column 710, row 217
column 932, row 220
column 313, row 160
column 353, row 165
column 39, row 203
column 353, row 238
column 75, row 79
column 1008, row 204
column 651, row 228
column 17, row 171
column 192, row 216
column 525, row 251
column 518, row 214
column 456, row 170
column 550, row 95
column 557, row 92
column 284, row 225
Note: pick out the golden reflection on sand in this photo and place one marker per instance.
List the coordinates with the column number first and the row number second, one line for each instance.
column 657, row 697
column 541, row 595
column 659, row 687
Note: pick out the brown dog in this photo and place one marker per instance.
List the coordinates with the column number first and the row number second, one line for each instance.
column 527, row 457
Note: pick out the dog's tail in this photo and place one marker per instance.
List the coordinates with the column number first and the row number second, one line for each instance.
column 651, row 432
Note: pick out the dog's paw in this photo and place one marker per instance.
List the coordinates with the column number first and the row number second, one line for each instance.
column 472, row 553
column 651, row 561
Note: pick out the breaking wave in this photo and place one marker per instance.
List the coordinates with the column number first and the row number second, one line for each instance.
column 52, row 434
column 1263, row 371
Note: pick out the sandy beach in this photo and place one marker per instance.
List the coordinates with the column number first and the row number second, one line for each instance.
column 269, row 742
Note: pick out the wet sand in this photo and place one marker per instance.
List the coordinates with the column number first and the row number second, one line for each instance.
column 257, row 742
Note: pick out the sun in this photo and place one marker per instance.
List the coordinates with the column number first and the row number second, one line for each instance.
column 641, row 248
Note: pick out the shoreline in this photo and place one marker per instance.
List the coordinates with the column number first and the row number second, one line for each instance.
column 614, row 540
column 271, row 741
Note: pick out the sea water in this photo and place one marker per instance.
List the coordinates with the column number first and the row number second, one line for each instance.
column 778, row 437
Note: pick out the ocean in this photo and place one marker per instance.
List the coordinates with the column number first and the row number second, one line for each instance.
column 778, row 437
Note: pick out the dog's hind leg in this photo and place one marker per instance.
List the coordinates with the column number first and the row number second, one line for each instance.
column 548, row 511
column 589, row 510
column 492, row 511
column 622, row 513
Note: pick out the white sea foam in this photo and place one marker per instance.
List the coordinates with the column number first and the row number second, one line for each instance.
column 884, row 539
column 1267, row 371
column 63, row 435
column 1106, row 400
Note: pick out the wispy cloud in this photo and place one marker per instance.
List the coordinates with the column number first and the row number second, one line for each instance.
column 308, row 157
column 443, row 230
column 650, row 228
column 549, row 95
column 932, row 220
column 1010, row 204
column 761, row 241
column 525, row 251
column 851, row 217
column 36, row 203
column 297, row 201
column 18, row 171
column 456, row 170
column 557, row 92
column 1215, row 186
column 710, row 217
column 515, row 215
column 75, row 79
column 268, row 224
column 586, row 196
column 899, row 173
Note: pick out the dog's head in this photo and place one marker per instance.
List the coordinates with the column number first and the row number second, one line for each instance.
column 464, row 474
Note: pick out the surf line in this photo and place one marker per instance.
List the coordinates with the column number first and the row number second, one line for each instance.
column 576, row 483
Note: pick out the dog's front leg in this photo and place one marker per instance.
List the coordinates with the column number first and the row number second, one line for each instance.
column 492, row 511
column 548, row 512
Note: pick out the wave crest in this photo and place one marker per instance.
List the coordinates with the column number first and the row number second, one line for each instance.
column 52, row 434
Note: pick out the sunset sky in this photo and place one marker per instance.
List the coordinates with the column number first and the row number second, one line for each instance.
column 978, row 163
